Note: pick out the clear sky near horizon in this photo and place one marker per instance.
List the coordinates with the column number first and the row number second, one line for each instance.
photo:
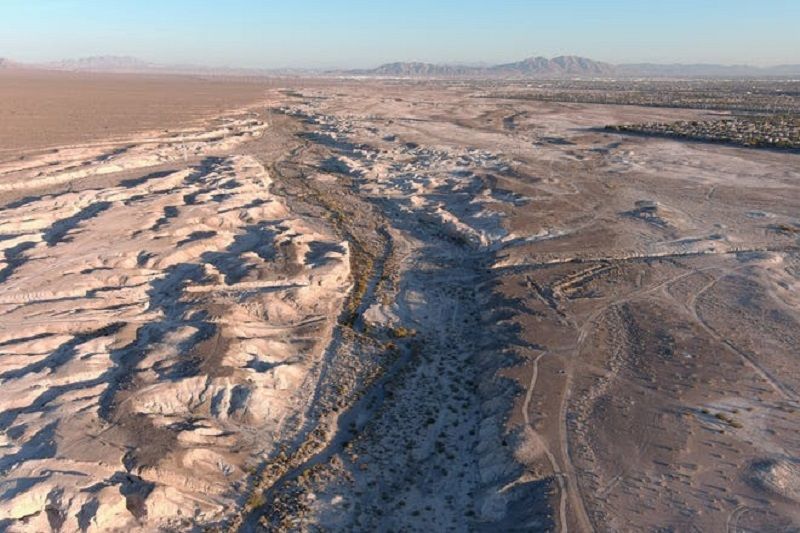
column 360, row 33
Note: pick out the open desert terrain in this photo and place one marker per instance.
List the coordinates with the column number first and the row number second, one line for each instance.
column 41, row 109
column 389, row 305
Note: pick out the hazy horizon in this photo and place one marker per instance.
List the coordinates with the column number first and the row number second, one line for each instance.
column 357, row 34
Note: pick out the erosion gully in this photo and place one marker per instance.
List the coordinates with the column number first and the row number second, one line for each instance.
column 440, row 267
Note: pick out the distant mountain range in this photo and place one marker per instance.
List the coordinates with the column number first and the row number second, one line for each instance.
column 133, row 65
column 573, row 67
column 700, row 70
column 7, row 63
column 103, row 64
column 532, row 68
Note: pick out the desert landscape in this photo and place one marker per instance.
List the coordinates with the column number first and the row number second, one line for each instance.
column 378, row 301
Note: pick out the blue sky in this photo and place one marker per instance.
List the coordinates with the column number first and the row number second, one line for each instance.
column 356, row 33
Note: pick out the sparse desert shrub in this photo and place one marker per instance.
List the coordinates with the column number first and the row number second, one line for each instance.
column 255, row 500
column 728, row 420
column 401, row 332
column 786, row 228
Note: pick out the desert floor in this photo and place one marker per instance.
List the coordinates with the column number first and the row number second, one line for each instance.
column 375, row 306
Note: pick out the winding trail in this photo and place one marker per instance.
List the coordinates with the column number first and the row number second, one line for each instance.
column 562, row 485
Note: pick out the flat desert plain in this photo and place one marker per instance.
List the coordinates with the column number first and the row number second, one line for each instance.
column 41, row 109
column 388, row 306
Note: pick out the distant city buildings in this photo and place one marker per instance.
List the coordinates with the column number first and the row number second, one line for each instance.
column 770, row 97
column 758, row 132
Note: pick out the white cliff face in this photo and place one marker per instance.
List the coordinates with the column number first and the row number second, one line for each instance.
column 156, row 337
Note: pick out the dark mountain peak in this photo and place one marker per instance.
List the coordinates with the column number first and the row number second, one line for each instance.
column 538, row 60
column 556, row 67
column 531, row 67
column 416, row 69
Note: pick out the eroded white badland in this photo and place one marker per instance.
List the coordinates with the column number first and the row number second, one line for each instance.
column 156, row 335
